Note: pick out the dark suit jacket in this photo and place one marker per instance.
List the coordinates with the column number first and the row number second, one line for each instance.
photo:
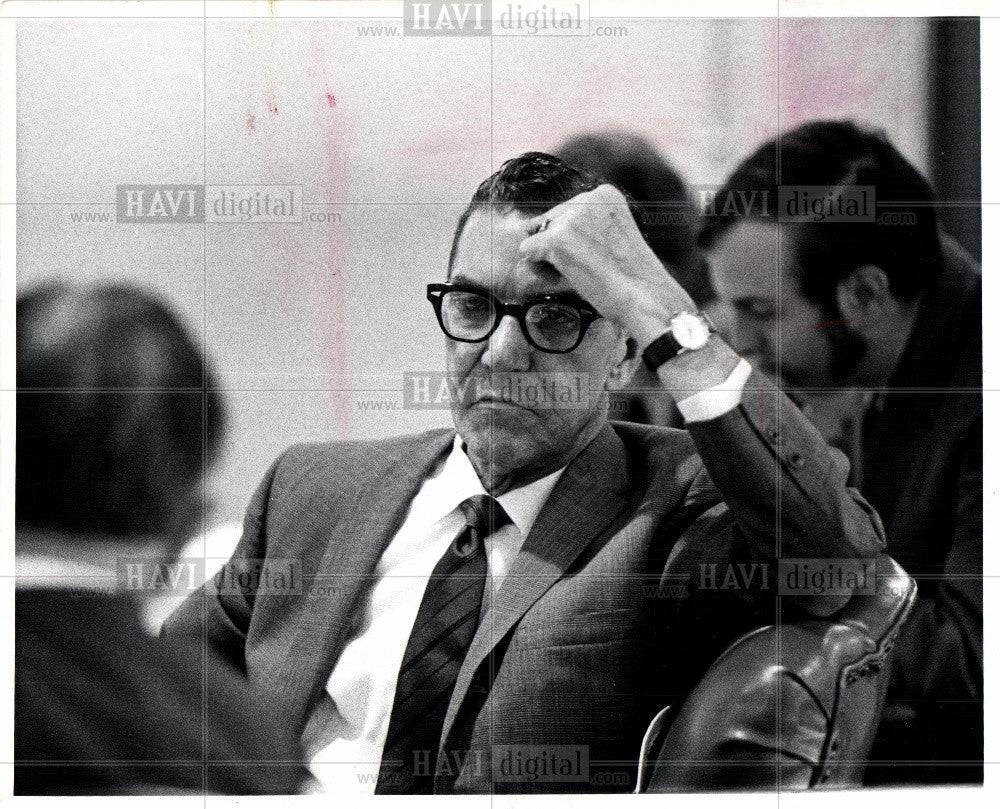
column 582, row 644
column 923, row 471
column 103, row 709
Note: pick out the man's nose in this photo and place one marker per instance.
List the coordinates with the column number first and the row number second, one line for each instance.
column 507, row 349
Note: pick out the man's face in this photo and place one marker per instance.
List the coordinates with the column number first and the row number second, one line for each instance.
column 511, row 438
column 775, row 326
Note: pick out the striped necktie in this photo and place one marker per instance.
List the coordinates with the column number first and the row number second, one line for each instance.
column 445, row 625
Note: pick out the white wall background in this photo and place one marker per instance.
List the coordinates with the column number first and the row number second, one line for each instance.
column 307, row 323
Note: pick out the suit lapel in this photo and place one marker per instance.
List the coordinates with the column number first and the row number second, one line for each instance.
column 590, row 494
column 349, row 562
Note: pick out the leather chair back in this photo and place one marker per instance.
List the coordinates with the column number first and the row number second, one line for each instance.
column 789, row 707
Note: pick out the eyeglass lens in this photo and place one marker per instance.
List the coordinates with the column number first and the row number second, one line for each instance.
column 471, row 316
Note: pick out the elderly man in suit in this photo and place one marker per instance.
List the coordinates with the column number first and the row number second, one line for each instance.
column 484, row 608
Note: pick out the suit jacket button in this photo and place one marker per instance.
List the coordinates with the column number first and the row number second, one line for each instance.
column 797, row 460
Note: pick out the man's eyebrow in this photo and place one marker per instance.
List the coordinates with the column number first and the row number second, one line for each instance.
column 530, row 293
column 458, row 278
column 562, row 294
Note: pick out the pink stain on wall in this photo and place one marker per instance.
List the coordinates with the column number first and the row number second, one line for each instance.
column 449, row 142
column 272, row 104
column 251, row 121
column 831, row 73
column 334, row 324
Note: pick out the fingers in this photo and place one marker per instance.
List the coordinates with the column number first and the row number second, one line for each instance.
column 537, row 247
column 602, row 195
column 540, row 244
column 542, row 240
column 540, row 223
column 561, row 230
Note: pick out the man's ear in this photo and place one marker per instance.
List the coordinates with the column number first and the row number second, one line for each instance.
column 621, row 374
column 864, row 295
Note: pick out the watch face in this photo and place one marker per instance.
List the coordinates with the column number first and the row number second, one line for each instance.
column 689, row 330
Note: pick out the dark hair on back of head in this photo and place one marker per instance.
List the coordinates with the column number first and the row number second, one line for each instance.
column 837, row 155
column 113, row 406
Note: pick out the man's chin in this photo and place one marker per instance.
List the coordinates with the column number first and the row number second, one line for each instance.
column 497, row 431
column 494, row 454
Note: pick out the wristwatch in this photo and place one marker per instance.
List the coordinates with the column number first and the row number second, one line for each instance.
column 688, row 331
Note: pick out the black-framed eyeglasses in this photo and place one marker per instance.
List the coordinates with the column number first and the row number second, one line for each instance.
column 555, row 324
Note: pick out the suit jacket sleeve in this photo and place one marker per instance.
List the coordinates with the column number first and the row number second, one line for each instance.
column 785, row 493
column 221, row 614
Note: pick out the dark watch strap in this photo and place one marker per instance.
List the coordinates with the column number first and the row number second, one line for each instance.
column 663, row 348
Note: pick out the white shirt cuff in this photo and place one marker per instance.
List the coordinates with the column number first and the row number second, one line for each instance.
column 713, row 402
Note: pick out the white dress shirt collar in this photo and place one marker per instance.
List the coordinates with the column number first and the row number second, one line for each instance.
column 33, row 571
column 456, row 480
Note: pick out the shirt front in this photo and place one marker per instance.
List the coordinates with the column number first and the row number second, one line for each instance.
column 346, row 735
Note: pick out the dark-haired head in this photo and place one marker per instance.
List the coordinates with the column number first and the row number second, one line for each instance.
column 822, row 243
column 116, row 414
column 838, row 155
column 529, row 184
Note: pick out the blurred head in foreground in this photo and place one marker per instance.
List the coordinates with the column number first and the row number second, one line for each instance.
column 116, row 416
column 116, row 420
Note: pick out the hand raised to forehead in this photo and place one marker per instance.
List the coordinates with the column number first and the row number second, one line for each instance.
column 594, row 242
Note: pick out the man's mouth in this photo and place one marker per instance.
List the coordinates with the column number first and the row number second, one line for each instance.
column 498, row 402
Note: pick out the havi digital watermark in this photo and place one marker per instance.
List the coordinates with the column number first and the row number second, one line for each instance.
column 483, row 18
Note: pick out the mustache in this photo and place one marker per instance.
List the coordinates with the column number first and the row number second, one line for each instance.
column 531, row 390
